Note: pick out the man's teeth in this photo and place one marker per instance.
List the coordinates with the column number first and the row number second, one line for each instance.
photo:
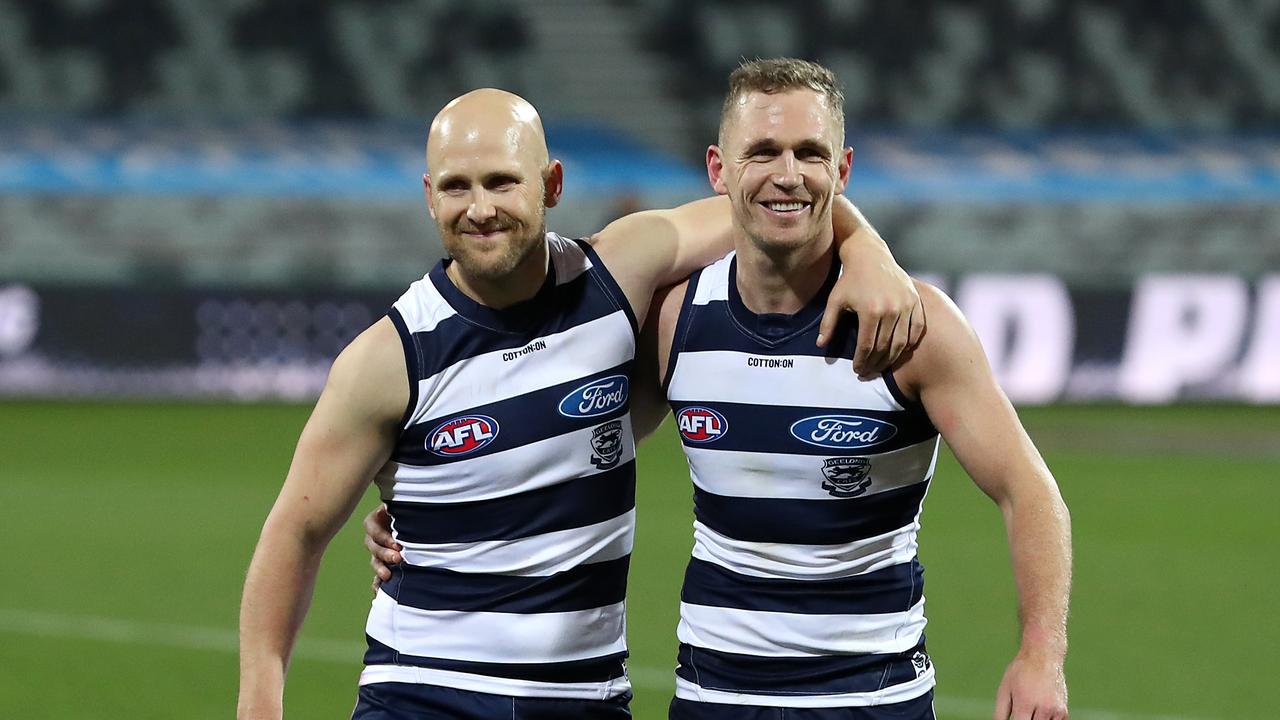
column 785, row 206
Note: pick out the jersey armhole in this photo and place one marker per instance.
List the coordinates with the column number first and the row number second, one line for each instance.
column 683, row 321
column 915, row 407
column 412, row 362
column 611, row 287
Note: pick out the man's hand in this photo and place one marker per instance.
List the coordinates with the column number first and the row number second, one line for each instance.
column 890, row 316
column 1032, row 689
column 384, row 551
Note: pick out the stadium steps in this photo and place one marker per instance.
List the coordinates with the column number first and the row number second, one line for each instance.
column 590, row 64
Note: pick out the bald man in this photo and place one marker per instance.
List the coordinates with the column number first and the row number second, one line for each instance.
column 491, row 408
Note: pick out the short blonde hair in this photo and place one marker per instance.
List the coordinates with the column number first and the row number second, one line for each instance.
column 773, row 75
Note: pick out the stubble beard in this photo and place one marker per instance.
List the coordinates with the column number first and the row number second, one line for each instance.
column 498, row 266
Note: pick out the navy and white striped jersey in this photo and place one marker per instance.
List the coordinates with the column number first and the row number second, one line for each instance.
column 512, row 489
column 804, row 589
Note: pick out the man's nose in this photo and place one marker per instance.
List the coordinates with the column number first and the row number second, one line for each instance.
column 787, row 173
column 481, row 209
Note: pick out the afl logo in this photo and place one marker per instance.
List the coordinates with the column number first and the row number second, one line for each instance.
column 842, row 431
column 462, row 435
column 598, row 397
column 701, row 424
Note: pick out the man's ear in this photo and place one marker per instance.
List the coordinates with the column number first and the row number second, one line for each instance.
column 843, row 167
column 552, row 183
column 715, row 169
column 426, row 190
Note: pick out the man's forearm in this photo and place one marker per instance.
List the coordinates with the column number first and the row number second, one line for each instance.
column 1039, row 529
column 853, row 232
column 277, row 593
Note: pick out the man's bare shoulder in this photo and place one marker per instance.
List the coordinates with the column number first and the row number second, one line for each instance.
column 370, row 377
column 949, row 341
column 633, row 228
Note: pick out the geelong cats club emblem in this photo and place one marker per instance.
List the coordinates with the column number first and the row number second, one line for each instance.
column 846, row 476
column 606, row 444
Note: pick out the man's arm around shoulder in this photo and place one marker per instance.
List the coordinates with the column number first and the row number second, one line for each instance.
column 950, row 374
column 347, row 438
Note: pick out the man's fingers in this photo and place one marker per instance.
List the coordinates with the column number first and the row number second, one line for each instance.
column 883, row 355
column 377, row 528
column 899, row 340
column 827, row 328
column 1004, row 703
column 917, row 325
column 866, row 344
column 381, row 573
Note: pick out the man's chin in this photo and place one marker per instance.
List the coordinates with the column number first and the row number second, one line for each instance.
column 775, row 238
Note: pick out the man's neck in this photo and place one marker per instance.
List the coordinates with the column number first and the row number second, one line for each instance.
column 517, row 286
column 782, row 282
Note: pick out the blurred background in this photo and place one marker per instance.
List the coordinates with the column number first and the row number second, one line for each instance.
column 201, row 202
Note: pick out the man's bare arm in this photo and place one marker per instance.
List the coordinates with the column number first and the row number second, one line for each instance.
column 958, row 390
column 648, row 403
column 348, row 437
column 655, row 248
column 891, row 318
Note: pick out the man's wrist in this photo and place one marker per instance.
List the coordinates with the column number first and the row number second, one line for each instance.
column 1046, row 644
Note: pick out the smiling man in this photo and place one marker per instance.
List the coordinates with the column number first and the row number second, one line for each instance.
column 491, row 408
column 804, row 598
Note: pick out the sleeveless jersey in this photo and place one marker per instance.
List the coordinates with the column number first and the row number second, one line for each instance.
column 804, row 589
column 512, row 489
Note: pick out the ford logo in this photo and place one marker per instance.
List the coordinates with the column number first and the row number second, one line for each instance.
column 843, row 432
column 598, row 397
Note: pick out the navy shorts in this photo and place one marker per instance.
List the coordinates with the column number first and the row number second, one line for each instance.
column 920, row 708
column 411, row 701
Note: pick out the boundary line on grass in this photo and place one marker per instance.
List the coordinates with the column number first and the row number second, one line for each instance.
column 14, row 621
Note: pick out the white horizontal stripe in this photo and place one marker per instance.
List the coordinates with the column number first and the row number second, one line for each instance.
column 520, row 469
column 495, row 685
column 204, row 638
column 725, row 376
column 498, row 637
column 539, row 555
column 901, row 692
column 805, row 562
column 776, row 634
column 423, row 307
column 800, row 477
column 574, row 353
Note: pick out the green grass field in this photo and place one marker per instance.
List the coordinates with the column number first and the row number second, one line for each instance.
column 127, row 529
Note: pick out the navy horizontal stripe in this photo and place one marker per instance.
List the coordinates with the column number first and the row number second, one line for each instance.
column 584, row 587
column 888, row 590
column 555, row 309
column 599, row 669
column 572, row 504
column 809, row 522
column 827, row 675
column 767, row 428
column 515, row 427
